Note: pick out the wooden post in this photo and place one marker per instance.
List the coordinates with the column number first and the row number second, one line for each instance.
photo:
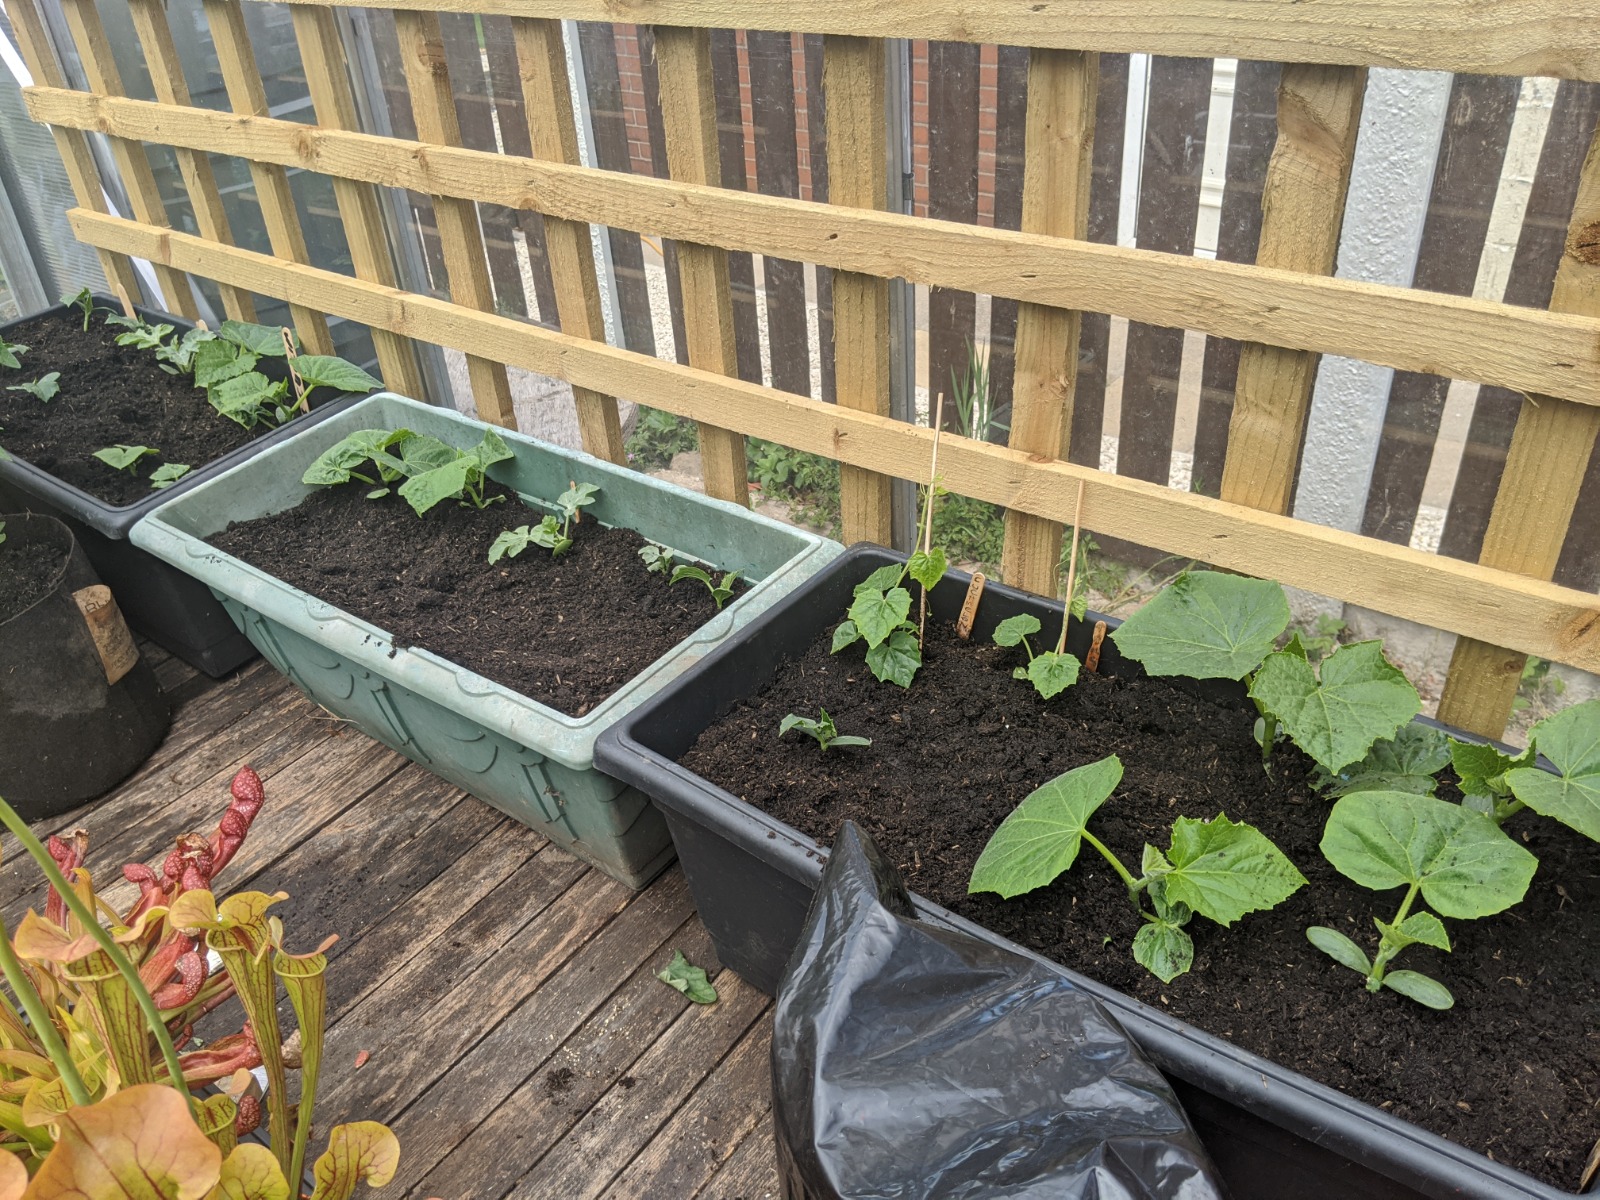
column 688, row 110
column 433, row 105
column 1545, row 466
column 166, row 77
column 1302, row 201
column 322, row 54
column 547, row 102
column 248, row 96
column 1062, row 87
column 133, row 164
column 853, row 83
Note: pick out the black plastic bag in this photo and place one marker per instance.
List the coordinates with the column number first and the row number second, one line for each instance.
column 910, row 1060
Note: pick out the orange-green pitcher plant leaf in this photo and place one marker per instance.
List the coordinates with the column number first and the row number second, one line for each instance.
column 242, row 948
column 303, row 978
column 114, row 1011
column 251, row 1173
column 139, row 1144
column 215, row 1116
column 362, row 1151
column 13, row 1177
column 45, row 941
column 45, row 1103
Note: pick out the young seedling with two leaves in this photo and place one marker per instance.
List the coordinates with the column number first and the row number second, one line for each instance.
column 880, row 615
column 1458, row 861
column 433, row 471
column 721, row 591
column 657, row 559
column 83, row 301
column 43, row 389
column 128, row 458
column 555, row 536
column 1217, row 868
column 11, row 354
column 1209, row 625
column 1050, row 671
column 824, row 730
column 138, row 333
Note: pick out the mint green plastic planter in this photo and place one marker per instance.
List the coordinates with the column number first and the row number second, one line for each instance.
column 526, row 759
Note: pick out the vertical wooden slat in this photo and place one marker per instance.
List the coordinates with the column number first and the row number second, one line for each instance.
column 1302, row 201
column 327, row 79
column 248, row 97
column 1062, row 85
column 778, row 174
column 1550, row 449
column 1533, row 272
column 1105, row 195
column 166, row 77
column 689, row 114
column 391, row 83
column 1477, row 129
column 952, row 196
column 552, row 136
column 133, row 164
column 730, row 149
column 71, row 144
column 505, row 88
column 433, row 106
column 1252, row 130
column 1010, row 120
column 817, row 159
column 853, row 71
column 1169, row 206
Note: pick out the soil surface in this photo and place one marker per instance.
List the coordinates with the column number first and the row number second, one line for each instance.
column 1512, row 1071
column 565, row 631
column 110, row 395
column 27, row 574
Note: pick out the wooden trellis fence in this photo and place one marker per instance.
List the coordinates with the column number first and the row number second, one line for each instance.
column 1284, row 307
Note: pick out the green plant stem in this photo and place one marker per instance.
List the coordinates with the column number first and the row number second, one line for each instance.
column 1502, row 812
column 92, row 926
column 1135, row 886
column 1385, row 955
column 43, row 1027
column 1269, row 735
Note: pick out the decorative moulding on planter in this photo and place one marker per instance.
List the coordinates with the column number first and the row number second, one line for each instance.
column 523, row 757
column 165, row 605
column 1273, row 1132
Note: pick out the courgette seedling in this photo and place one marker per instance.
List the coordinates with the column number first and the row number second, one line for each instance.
column 1050, row 671
column 656, row 558
column 1501, row 785
column 1209, row 625
column 83, row 301
column 1457, row 860
column 125, row 458
column 43, row 389
column 880, row 612
column 225, row 365
column 433, row 470
column 720, row 592
column 167, row 474
column 11, row 354
column 138, row 334
column 823, row 729
column 555, row 536
column 1217, row 868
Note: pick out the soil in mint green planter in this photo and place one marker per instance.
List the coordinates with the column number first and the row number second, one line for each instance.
column 27, row 574
column 565, row 631
column 110, row 395
column 1513, row 1071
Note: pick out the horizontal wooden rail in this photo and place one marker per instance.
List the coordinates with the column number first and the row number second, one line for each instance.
column 1492, row 37
column 1496, row 606
column 1528, row 350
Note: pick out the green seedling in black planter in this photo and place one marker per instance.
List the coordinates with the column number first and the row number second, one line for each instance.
column 43, row 389
column 1217, row 868
column 125, row 458
column 1456, row 860
column 83, row 301
column 138, row 334
column 1049, row 672
column 720, row 592
column 168, row 474
column 823, row 730
column 11, row 354
column 880, row 615
column 555, row 536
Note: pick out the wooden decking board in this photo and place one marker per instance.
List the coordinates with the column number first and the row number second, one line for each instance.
column 532, row 1119
column 475, row 959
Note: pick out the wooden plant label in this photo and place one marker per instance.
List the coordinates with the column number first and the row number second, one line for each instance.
column 969, row 606
column 1091, row 661
column 118, row 654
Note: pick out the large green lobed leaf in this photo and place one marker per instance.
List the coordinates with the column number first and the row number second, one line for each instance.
column 1359, row 699
column 1571, row 741
column 875, row 613
column 1407, row 762
column 1223, row 869
column 1040, row 839
column 1465, row 864
column 1206, row 625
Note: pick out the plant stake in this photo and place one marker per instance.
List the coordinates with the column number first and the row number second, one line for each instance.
column 1072, row 569
column 294, row 376
column 927, row 515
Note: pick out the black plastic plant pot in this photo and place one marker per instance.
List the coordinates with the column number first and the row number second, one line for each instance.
column 1272, row 1132
column 162, row 603
column 80, row 710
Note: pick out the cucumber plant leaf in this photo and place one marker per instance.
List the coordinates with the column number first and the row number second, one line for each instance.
column 1463, row 863
column 264, row 341
column 1421, row 928
column 1482, row 769
column 927, row 569
column 1041, row 837
column 1164, row 949
column 1360, row 698
column 325, row 370
column 1407, row 762
column 1571, row 741
column 882, row 579
column 845, row 635
column 1012, row 630
column 1340, row 948
column 217, row 360
column 1420, row 988
column 877, row 613
column 1223, row 870
column 688, row 979
column 896, row 659
column 1206, row 625
column 338, row 463
column 1052, row 673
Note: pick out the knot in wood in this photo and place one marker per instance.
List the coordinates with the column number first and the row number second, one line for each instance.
column 1584, row 244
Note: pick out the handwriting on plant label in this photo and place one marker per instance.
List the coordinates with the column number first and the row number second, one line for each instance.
column 969, row 606
column 118, row 654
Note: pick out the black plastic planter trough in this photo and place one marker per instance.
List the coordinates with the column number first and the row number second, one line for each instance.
column 1272, row 1132
column 173, row 610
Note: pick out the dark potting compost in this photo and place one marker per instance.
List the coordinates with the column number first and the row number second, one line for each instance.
column 110, row 395
column 565, row 631
column 28, row 573
column 1513, row 1071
